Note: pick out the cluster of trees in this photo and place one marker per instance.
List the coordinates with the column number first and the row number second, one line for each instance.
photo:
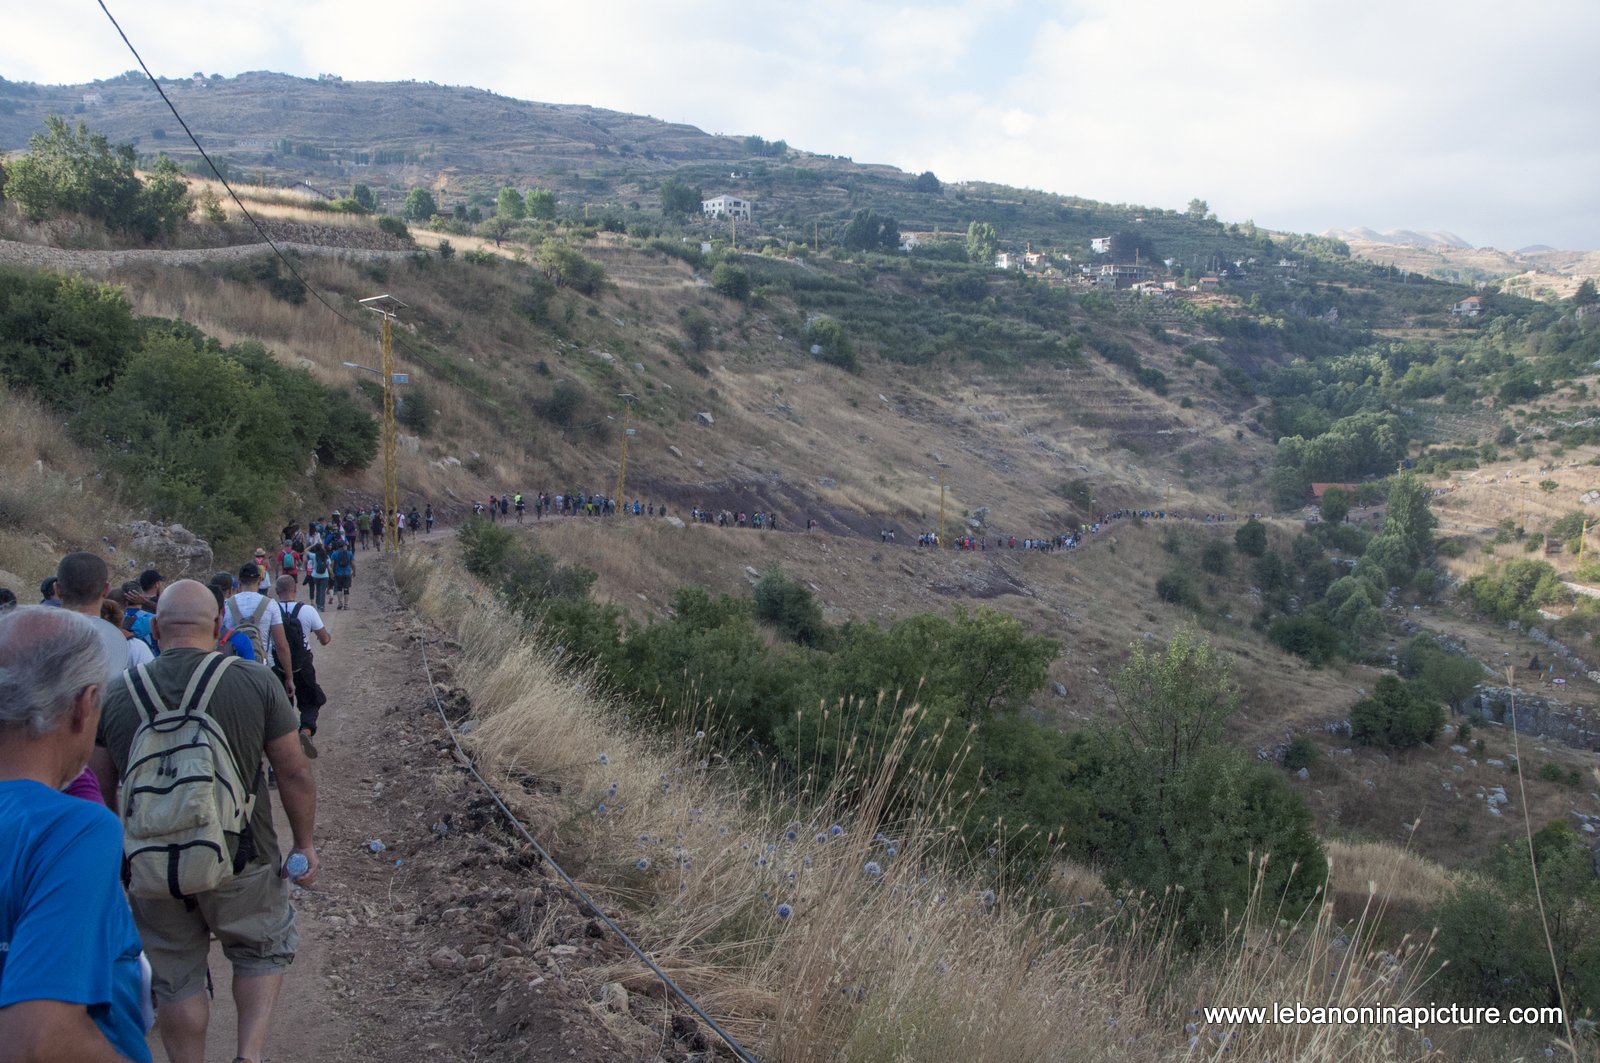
column 871, row 231
column 190, row 430
column 1363, row 444
column 1157, row 799
column 69, row 170
column 1515, row 590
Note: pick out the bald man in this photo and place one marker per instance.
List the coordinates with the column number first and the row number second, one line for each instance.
column 249, row 913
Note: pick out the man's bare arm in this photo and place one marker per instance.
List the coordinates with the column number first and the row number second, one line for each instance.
column 297, row 787
column 53, row 1031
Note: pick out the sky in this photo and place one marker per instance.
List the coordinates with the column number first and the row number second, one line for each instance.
column 1301, row 115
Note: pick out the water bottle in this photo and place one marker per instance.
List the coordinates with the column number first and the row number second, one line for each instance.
column 297, row 865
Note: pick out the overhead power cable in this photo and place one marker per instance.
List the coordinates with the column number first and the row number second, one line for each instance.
column 215, row 170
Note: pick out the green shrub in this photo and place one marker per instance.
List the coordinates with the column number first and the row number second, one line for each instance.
column 1251, row 538
column 1306, row 636
column 1177, row 588
column 1492, row 934
column 731, row 281
column 1300, row 754
column 1214, row 558
column 1513, row 590
column 1398, row 715
column 484, row 546
column 395, row 227
column 789, row 606
column 567, row 268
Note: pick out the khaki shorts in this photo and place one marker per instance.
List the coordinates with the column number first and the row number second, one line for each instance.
column 250, row 915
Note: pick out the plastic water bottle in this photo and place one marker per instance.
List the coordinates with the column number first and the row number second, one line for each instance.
column 297, row 865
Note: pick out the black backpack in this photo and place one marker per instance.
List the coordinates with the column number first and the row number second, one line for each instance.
column 299, row 655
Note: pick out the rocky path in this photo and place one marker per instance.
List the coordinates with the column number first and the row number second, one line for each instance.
column 449, row 943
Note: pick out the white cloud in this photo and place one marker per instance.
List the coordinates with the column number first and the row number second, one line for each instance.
column 1470, row 116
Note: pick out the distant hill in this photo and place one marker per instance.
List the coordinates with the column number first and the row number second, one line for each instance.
column 1405, row 237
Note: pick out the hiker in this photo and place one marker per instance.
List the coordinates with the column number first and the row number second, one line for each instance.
column 361, row 528
column 343, row 563
column 83, row 581
column 251, row 611
column 399, row 529
column 520, row 506
column 317, row 574
column 413, row 520
column 494, row 508
column 71, row 972
column 248, row 909
column 47, row 592
column 505, row 505
column 300, row 622
column 427, row 517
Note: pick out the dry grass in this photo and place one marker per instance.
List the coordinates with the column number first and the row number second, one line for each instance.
column 911, row 957
column 51, row 498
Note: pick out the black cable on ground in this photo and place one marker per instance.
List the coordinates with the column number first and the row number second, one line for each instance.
column 578, row 891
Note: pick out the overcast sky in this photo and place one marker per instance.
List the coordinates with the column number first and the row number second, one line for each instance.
column 1477, row 118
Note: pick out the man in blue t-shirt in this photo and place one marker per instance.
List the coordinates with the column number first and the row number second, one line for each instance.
column 73, row 987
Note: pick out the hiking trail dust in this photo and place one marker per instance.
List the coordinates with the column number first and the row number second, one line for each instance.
column 452, row 942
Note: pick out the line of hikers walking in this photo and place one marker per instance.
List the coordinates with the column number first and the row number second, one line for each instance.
column 143, row 730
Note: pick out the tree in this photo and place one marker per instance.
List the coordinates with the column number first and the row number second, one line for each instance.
column 679, row 197
column 981, row 242
column 1335, row 505
column 1400, row 714
column 1197, row 209
column 832, row 344
column 510, row 205
column 1409, row 516
column 541, row 204
column 496, row 228
column 1586, row 295
column 927, row 182
column 789, row 606
column 871, row 231
column 731, row 281
column 1251, row 539
column 69, row 170
column 420, row 205
column 361, row 193
column 1174, row 700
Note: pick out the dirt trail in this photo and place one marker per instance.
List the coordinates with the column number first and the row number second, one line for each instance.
column 421, row 950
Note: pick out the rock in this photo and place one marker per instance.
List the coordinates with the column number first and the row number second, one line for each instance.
column 1495, row 763
column 675, row 452
column 1588, row 828
column 564, row 950
column 615, row 998
column 676, row 523
column 827, row 481
column 751, row 572
column 1303, row 775
column 705, row 418
column 446, row 959
column 170, row 548
column 408, row 443
column 1463, row 750
column 1060, row 689
column 638, row 367
column 453, row 462
column 605, row 356
column 475, row 964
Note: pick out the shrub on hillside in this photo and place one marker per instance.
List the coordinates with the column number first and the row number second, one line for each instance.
column 1251, row 538
column 1398, row 715
column 1177, row 587
column 1306, row 636
column 1514, row 590
column 789, row 606
column 567, row 268
column 731, row 281
column 73, row 170
column 1492, row 933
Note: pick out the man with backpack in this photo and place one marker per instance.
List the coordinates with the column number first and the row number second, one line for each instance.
column 300, row 622
column 187, row 736
column 317, row 574
column 252, row 612
column 343, row 563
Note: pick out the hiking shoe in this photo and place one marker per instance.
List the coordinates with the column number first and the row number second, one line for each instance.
column 306, row 746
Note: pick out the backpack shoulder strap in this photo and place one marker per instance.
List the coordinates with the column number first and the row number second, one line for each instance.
column 261, row 610
column 295, row 612
column 137, row 680
column 231, row 607
column 203, row 683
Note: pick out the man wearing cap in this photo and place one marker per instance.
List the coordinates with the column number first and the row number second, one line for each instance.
column 71, row 973
column 249, row 913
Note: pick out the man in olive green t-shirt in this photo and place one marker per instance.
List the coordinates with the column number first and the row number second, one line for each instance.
column 250, row 913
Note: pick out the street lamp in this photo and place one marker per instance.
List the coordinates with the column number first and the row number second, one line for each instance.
column 385, row 306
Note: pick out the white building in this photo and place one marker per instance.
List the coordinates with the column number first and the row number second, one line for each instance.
column 726, row 206
column 1100, row 245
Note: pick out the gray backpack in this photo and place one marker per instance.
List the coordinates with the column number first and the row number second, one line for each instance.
column 183, row 793
column 253, row 626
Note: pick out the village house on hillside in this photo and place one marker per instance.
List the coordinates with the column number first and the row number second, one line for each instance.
column 726, row 206
column 1318, row 490
column 1471, row 306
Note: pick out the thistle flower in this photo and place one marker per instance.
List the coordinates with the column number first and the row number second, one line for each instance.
column 783, row 911
column 821, row 838
column 642, row 864
column 872, row 869
column 988, row 898
column 644, row 839
column 791, row 835
column 602, row 808
column 604, row 759
column 836, row 830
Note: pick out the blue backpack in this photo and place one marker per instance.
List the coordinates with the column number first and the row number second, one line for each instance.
column 140, row 629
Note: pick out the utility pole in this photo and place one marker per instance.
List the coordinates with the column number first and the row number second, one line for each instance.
column 733, row 220
column 941, row 515
column 385, row 306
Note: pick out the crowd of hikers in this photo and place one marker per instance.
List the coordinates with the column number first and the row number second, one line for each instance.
column 143, row 730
